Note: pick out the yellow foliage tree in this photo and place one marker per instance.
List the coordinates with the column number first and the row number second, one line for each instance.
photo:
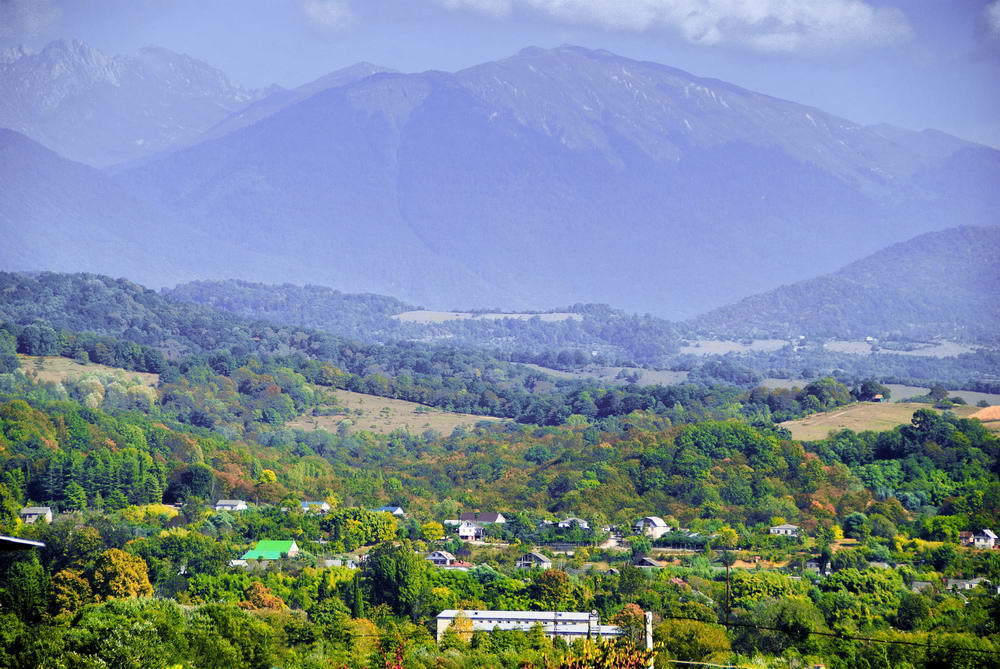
column 119, row 575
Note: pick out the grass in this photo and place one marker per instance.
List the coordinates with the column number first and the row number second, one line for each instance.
column 56, row 369
column 383, row 415
column 878, row 416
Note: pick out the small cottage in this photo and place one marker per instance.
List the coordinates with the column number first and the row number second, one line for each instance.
column 272, row 550
column 31, row 514
column 533, row 561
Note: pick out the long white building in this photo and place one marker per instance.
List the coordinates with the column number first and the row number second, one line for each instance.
column 568, row 625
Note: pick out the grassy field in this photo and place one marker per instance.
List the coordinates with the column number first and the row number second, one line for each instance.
column 445, row 316
column 57, row 370
column 647, row 377
column 382, row 415
column 859, row 417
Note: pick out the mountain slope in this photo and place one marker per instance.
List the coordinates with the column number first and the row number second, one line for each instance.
column 564, row 176
column 941, row 284
column 102, row 110
column 63, row 216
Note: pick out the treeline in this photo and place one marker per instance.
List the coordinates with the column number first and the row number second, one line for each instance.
column 615, row 337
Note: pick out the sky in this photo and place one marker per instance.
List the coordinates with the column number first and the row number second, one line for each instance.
column 911, row 63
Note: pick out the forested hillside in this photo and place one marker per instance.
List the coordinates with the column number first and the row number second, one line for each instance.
column 939, row 285
column 600, row 334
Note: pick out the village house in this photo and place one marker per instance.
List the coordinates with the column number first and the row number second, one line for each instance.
column 648, row 563
column 985, row 539
column 965, row 584
column 231, row 505
column 441, row 558
column 573, row 522
column 272, row 550
column 468, row 531
column 320, row 507
column 394, row 510
column 653, row 527
column 785, row 530
column 31, row 514
column 485, row 518
column 567, row 625
column 533, row 561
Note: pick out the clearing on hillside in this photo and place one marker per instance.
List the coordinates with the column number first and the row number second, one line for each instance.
column 876, row 416
column 445, row 316
column 382, row 415
column 57, row 369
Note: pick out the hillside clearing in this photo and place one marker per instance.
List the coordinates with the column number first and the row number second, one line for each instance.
column 56, row 369
column 876, row 416
column 382, row 415
column 444, row 316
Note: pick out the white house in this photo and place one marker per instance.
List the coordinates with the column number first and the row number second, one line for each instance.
column 653, row 527
column 568, row 625
column 570, row 522
column 785, row 530
column 394, row 510
column 441, row 558
column 30, row 514
column 231, row 505
column 985, row 539
column 321, row 507
column 534, row 561
column 484, row 518
column 469, row 531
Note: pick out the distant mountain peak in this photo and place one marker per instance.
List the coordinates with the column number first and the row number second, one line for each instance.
column 101, row 109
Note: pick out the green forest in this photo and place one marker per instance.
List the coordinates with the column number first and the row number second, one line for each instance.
column 140, row 569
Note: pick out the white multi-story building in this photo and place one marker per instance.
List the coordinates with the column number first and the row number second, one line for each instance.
column 568, row 625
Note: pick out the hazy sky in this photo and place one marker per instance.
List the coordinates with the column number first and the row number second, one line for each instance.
column 912, row 63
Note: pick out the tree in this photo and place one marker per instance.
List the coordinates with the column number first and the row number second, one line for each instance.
column 551, row 588
column 70, row 591
column 631, row 620
column 75, row 497
column 690, row 641
column 118, row 575
column 432, row 531
column 396, row 576
column 857, row 526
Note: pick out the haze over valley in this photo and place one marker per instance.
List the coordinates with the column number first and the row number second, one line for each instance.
column 563, row 334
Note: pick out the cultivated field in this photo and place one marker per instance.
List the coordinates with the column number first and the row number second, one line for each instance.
column 382, row 415
column 444, row 316
column 858, row 417
column 721, row 347
column 647, row 377
column 57, row 369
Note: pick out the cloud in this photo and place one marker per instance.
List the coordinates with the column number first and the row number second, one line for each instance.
column 328, row 15
column 991, row 20
column 764, row 25
column 24, row 18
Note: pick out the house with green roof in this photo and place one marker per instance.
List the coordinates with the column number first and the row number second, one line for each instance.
column 272, row 550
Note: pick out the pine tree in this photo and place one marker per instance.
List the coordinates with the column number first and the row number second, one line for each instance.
column 75, row 497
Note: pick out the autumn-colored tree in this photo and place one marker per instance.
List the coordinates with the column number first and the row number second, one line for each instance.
column 432, row 531
column 70, row 591
column 631, row 620
column 258, row 596
column 551, row 588
column 119, row 575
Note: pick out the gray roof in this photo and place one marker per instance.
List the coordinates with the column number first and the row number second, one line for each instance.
column 655, row 521
column 230, row 502
column 35, row 510
column 541, row 616
column 989, row 533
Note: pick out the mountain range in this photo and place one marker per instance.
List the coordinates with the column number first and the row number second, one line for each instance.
column 552, row 177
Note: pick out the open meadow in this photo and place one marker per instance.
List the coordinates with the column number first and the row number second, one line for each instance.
column 382, row 415
column 876, row 416
column 56, row 369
